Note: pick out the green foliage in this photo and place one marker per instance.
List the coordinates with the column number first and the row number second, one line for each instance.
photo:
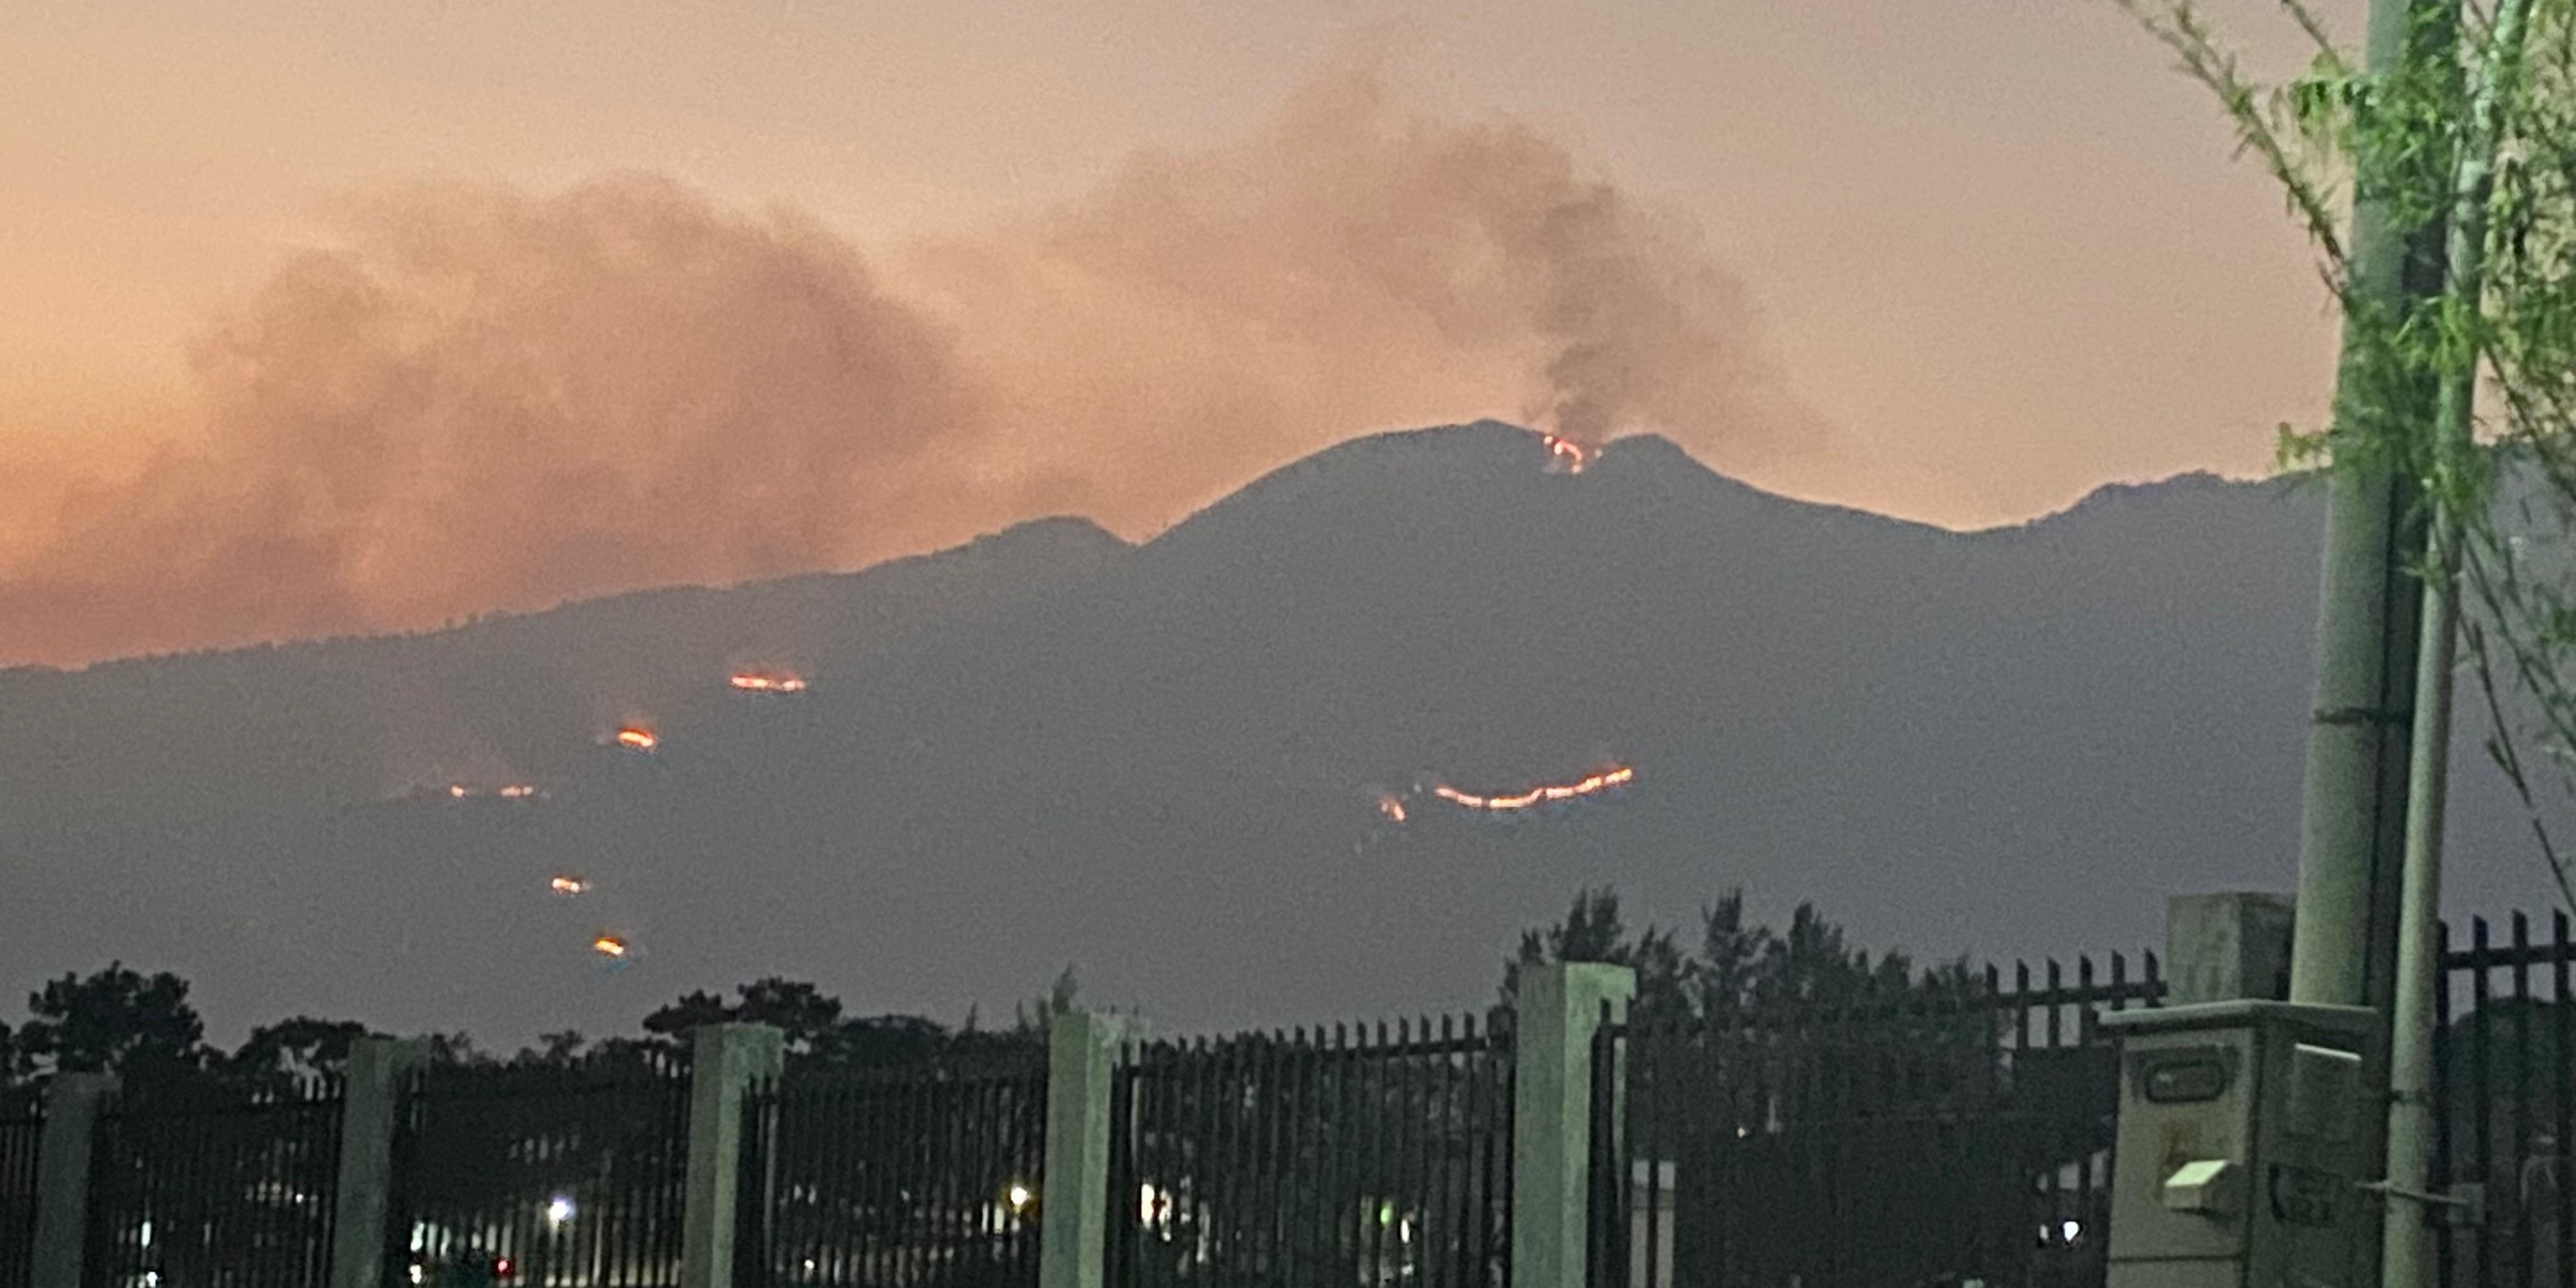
column 2469, row 134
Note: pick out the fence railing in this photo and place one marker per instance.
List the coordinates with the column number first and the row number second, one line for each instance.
column 2505, row 1056
column 1934, row 1134
column 924, row 1178
column 196, row 1181
column 1339, row 1161
column 574, row 1174
column 22, row 1132
column 1948, row 1134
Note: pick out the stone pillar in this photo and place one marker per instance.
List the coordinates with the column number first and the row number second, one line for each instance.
column 1075, row 1205
column 2226, row 947
column 379, row 1069
column 1560, row 1009
column 725, row 1061
column 72, row 1106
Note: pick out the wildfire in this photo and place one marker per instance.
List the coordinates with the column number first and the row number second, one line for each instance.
column 1392, row 806
column 636, row 738
column 1568, row 455
column 762, row 682
column 1542, row 795
column 518, row 792
column 609, row 946
column 458, row 791
column 568, row 885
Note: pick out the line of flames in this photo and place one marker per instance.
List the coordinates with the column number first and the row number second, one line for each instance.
column 1542, row 795
column 1574, row 455
column 755, row 682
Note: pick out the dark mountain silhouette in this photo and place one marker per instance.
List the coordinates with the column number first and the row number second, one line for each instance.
column 1162, row 762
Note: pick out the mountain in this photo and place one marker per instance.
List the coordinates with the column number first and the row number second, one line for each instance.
column 1164, row 762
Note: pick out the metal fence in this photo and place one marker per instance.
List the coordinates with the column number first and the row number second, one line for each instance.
column 2505, row 1055
column 917, row 1177
column 1957, row 1133
column 22, row 1130
column 197, row 1183
column 1313, row 1160
column 550, row 1176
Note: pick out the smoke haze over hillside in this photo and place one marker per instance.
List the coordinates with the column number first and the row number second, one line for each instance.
column 484, row 398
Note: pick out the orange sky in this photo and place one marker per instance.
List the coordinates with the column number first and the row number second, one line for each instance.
column 1959, row 262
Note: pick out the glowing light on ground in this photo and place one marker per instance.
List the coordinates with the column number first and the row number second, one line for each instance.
column 609, row 946
column 636, row 738
column 1567, row 455
column 1391, row 806
column 1545, row 794
column 765, row 682
column 569, row 885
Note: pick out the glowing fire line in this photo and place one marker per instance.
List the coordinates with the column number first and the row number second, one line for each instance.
column 1573, row 455
column 1542, row 795
column 635, row 738
column 754, row 682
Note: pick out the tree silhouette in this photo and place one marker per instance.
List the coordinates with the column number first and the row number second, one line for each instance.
column 114, row 1021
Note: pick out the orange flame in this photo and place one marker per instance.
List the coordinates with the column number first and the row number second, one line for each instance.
column 637, row 738
column 1392, row 806
column 568, row 885
column 608, row 946
column 762, row 682
column 1566, row 454
column 1547, row 794
column 518, row 791
column 458, row 791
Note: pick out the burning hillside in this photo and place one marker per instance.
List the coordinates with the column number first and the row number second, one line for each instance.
column 1544, row 794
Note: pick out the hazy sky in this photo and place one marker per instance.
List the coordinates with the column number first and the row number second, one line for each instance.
column 1958, row 261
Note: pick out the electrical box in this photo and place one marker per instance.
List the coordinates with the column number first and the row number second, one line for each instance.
column 2244, row 1147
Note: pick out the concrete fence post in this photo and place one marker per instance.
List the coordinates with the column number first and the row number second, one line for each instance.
column 2222, row 947
column 1559, row 1010
column 1075, row 1205
column 72, row 1106
column 725, row 1061
column 372, row 1098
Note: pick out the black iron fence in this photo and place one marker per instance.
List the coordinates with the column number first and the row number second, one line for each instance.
column 547, row 1176
column 2505, row 1055
column 198, row 1182
column 924, row 1178
column 1954, row 1133
column 22, row 1130
column 1321, row 1161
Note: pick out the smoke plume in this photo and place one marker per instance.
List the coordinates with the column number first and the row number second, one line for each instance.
column 482, row 398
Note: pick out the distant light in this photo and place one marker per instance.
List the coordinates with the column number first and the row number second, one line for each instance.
column 503, row 1266
column 637, row 738
column 151, row 1279
column 568, row 885
column 518, row 791
column 1018, row 1196
column 559, row 1210
column 2069, row 1230
column 1386, row 1213
column 417, row 1274
column 608, row 946
column 456, row 791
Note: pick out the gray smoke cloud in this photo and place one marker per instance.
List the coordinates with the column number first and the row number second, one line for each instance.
column 482, row 398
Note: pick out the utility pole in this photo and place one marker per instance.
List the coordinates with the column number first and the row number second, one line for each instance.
column 2353, row 805
column 2405, row 1251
